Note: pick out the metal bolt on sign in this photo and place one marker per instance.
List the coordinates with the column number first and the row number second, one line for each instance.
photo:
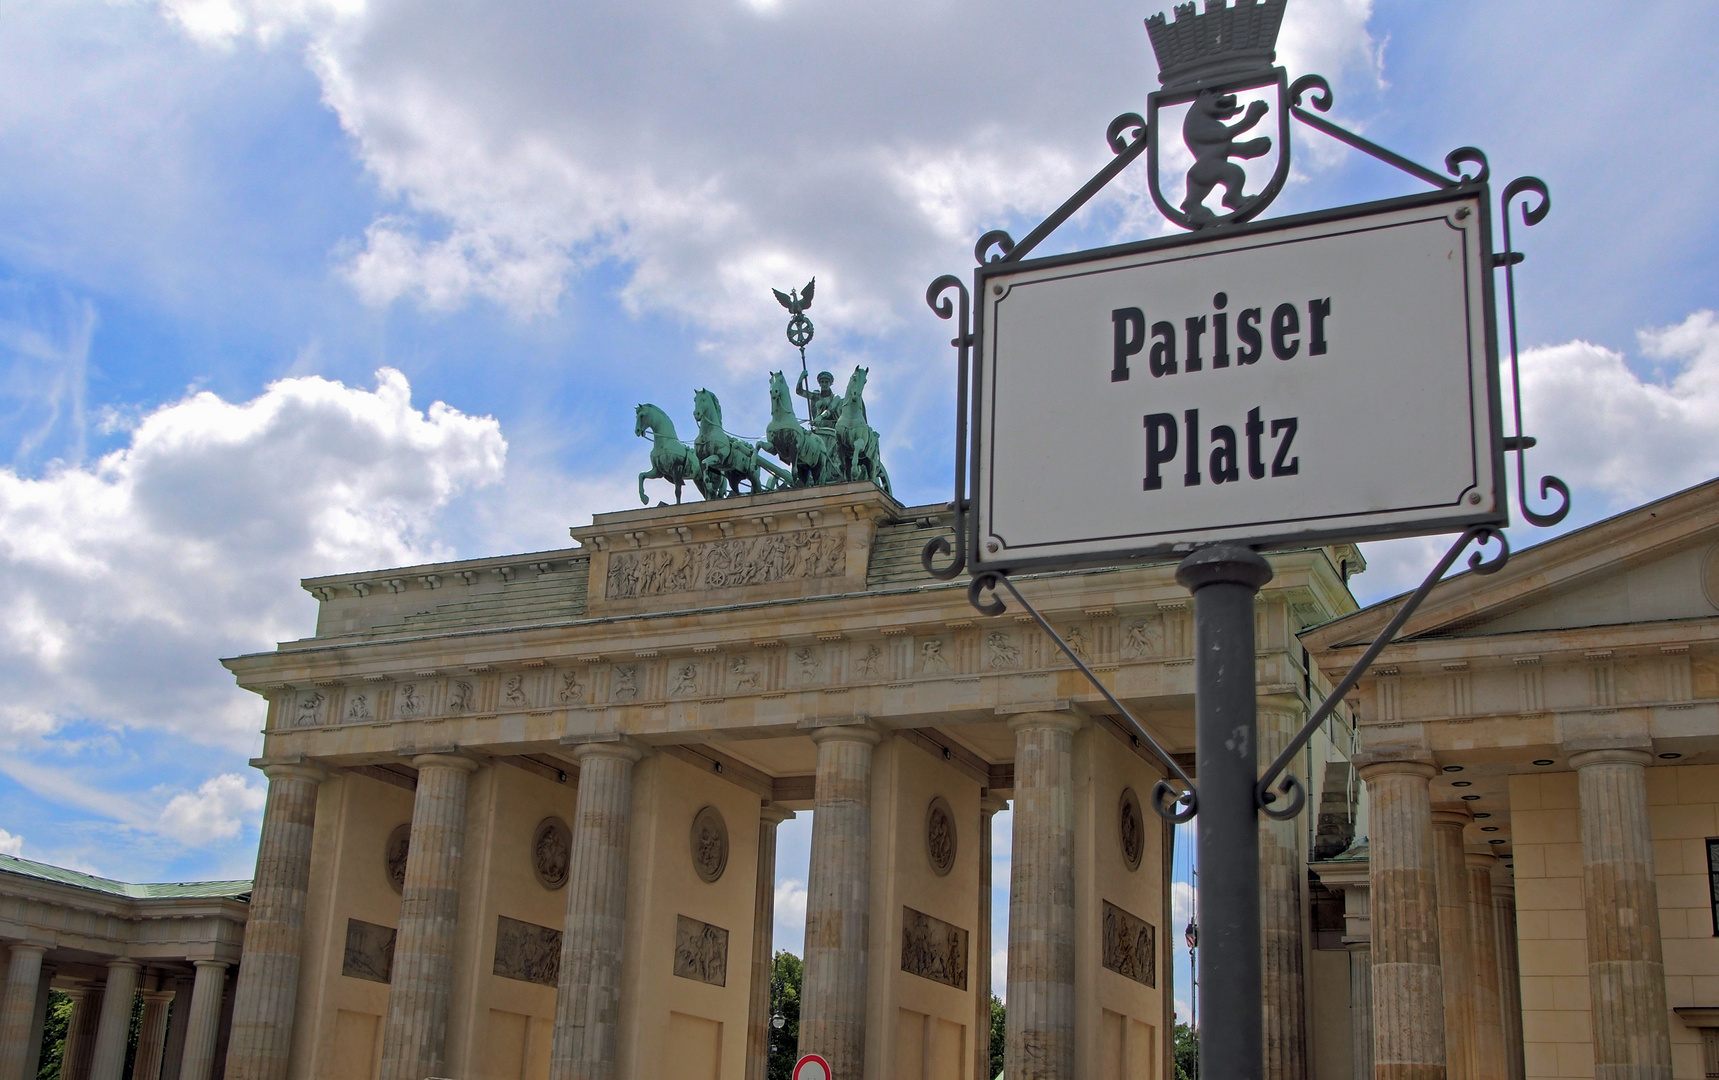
column 1146, row 382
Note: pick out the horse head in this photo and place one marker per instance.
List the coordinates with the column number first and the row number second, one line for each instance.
column 706, row 409
column 647, row 417
column 779, row 400
column 856, row 383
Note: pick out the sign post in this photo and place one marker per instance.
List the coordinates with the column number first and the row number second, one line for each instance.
column 1248, row 386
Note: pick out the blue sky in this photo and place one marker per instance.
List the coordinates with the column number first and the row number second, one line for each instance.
column 291, row 287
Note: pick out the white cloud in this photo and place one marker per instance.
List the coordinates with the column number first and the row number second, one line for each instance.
column 1182, row 900
column 1000, row 972
column 11, row 845
column 718, row 150
column 189, row 541
column 222, row 806
column 790, row 930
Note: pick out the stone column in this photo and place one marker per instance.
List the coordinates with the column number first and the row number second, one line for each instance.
column 838, row 901
column 1489, row 1061
column 266, row 996
column 80, row 1032
column 204, row 1022
column 414, row 1033
column 1509, row 975
column 1040, row 1042
column 1358, row 939
column 1452, row 876
column 38, row 1022
column 1408, row 983
column 763, row 943
column 979, row 970
column 152, row 1036
column 1626, row 968
column 108, row 1062
column 18, row 1009
column 588, row 1004
column 1281, row 869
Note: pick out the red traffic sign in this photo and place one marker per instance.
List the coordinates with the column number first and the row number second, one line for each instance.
column 812, row 1067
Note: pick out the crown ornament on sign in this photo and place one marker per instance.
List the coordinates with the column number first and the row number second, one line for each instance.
column 1222, row 45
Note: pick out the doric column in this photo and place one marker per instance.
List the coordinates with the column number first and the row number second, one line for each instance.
column 1509, row 975
column 265, row 998
column 1626, row 968
column 838, row 900
column 1408, row 982
column 1040, row 1040
column 1281, row 868
column 80, row 1032
column 415, row 1031
column 1452, row 876
column 108, row 1062
column 588, row 1005
column 18, row 1009
column 763, row 943
column 1361, row 1007
column 152, row 1035
column 1489, row 1061
column 204, row 1022
column 980, row 967
column 39, row 1021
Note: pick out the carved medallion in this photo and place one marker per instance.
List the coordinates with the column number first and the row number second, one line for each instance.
column 700, row 951
column 709, row 844
column 551, row 851
column 1130, row 946
column 940, row 836
column 933, row 949
column 399, row 843
column 1131, row 829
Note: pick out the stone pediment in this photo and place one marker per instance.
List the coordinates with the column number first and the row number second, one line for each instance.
column 776, row 546
column 1655, row 563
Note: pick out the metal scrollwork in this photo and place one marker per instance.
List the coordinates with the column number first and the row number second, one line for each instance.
column 1121, row 125
column 1290, row 788
column 1531, row 215
column 1467, row 155
column 1323, row 101
column 1172, row 805
column 1002, row 241
column 960, row 309
column 1479, row 563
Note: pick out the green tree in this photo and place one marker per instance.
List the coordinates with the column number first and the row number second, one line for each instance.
column 786, row 972
column 997, row 1039
column 54, row 1035
column 1187, row 1052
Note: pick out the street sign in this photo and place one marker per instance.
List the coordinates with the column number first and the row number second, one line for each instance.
column 812, row 1067
column 1309, row 379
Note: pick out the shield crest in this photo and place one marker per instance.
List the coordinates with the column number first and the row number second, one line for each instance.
column 1234, row 164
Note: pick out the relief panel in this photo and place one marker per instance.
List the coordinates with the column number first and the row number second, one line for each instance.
column 369, row 951
column 933, row 949
column 726, row 564
column 527, row 952
column 1130, row 946
column 700, row 951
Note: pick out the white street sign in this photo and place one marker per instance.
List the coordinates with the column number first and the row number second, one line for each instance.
column 1322, row 378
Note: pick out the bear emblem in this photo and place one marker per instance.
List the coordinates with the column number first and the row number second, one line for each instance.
column 1213, row 143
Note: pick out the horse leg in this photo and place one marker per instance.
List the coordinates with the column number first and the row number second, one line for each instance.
column 652, row 475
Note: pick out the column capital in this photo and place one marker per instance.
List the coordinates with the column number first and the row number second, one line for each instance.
column 296, row 767
column 1424, row 770
column 609, row 746
column 1613, row 755
column 222, row 964
column 462, row 762
column 772, row 814
column 157, row 995
column 1457, row 816
column 991, row 804
column 862, row 732
column 16, row 947
column 1503, row 889
column 1055, row 721
column 1481, row 860
column 122, row 962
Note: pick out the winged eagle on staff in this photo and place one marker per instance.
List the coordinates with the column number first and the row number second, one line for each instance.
column 796, row 301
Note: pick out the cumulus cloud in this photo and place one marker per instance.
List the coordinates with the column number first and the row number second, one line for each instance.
column 189, row 542
column 1182, row 901
column 11, row 845
column 1619, row 433
column 218, row 809
column 717, row 150
column 790, row 931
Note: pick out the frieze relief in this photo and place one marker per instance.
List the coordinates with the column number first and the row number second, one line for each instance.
column 1130, row 946
column 369, row 951
column 527, row 952
column 933, row 949
column 726, row 564
column 700, row 951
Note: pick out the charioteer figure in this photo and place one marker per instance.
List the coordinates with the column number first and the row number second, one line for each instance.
column 823, row 405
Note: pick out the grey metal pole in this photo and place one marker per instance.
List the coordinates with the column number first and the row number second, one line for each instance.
column 1224, row 579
